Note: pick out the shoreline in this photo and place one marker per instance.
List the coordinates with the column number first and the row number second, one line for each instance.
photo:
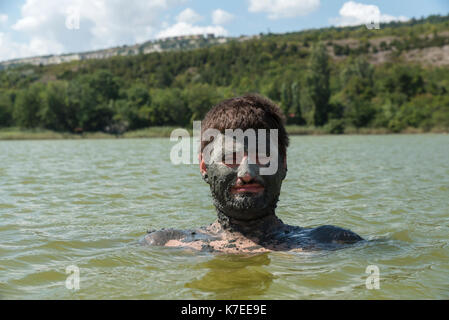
column 164, row 132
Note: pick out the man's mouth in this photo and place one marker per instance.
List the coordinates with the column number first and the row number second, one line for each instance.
column 247, row 188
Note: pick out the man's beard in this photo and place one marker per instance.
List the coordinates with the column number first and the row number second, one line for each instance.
column 242, row 205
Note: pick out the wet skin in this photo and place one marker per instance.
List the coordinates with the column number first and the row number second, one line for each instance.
column 245, row 202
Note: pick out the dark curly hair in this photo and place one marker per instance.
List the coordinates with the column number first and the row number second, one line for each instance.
column 250, row 111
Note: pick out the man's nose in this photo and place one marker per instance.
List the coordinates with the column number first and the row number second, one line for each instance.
column 246, row 171
column 247, row 178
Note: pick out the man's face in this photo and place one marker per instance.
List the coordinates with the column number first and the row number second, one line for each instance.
column 238, row 188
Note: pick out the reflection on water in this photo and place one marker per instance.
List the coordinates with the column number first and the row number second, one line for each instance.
column 88, row 202
column 233, row 277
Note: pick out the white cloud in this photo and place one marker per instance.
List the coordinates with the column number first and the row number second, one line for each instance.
column 188, row 16
column 221, row 17
column 353, row 13
column 184, row 29
column 3, row 19
column 102, row 24
column 10, row 49
column 284, row 8
column 185, row 25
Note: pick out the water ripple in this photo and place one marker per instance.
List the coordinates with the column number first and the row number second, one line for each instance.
column 88, row 202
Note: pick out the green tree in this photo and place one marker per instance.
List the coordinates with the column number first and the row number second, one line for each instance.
column 200, row 98
column 6, row 110
column 317, row 84
column 138, row 96
column 290, row 102
column 90, row 113
column 358, row 67
column 167, row 108
column 54, row 112
column 286, row 97
column 295, row 107
column 28, row 105
column 357, row 92
column 104, row 85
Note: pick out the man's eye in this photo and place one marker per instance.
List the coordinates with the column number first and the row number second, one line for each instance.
column 263, row 161
column 230, row 160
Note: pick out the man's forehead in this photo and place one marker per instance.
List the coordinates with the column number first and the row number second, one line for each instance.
column 258, row 148
column 228, row 141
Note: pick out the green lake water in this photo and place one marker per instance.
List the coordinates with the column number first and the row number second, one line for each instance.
column 88, row 203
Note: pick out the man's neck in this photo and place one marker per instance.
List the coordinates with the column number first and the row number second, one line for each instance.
column 261, row 226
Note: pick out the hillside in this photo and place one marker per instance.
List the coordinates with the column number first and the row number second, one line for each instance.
column 340, row 79
column 160, row 45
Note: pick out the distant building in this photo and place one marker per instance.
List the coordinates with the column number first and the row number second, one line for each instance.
column 168, row 43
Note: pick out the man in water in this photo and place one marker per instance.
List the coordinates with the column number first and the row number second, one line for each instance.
column 245, row 199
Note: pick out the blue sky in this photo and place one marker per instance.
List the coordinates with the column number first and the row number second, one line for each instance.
column 39, row 27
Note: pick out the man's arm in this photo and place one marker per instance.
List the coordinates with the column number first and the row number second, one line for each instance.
column 332, row 234
column 161, row 237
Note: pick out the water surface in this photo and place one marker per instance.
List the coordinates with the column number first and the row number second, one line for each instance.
column 88, row 202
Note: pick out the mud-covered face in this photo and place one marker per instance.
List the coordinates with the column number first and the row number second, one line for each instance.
column 238, row 188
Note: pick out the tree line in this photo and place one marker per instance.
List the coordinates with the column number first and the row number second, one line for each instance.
column 296, row 71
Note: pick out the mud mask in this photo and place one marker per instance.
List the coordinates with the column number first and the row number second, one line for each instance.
column 222, row 176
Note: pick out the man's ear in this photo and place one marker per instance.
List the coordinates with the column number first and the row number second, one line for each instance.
column 285, row 165
column 203, row 168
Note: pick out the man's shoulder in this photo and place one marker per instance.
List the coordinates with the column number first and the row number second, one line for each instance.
column 333, row 234
column 163, row 236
